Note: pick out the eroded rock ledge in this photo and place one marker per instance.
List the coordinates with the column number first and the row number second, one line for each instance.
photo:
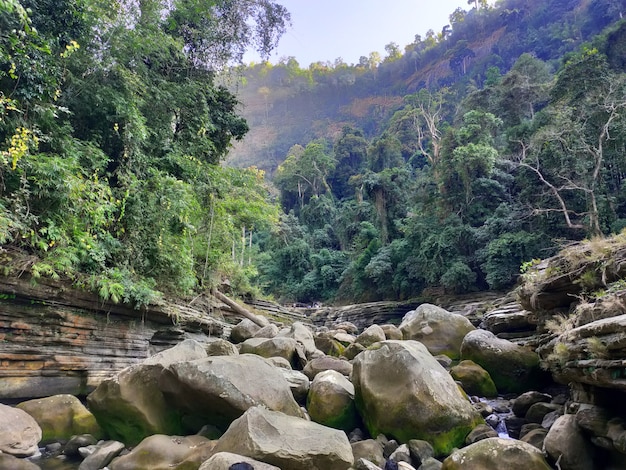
column 55, row 339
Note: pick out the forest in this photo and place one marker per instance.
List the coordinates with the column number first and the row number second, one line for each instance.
column 449, row 166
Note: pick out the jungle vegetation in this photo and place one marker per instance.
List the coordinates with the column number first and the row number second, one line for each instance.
column 442, row 167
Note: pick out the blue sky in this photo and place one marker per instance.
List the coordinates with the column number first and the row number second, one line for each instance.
column 323, row 30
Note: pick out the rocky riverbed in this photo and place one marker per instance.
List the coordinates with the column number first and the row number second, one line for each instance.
column 487, row 386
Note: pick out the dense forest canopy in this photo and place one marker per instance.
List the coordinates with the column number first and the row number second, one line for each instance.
column 112, row 130
column 445, row 166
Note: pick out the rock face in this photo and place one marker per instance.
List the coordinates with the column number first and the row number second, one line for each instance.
column 61, row 416
column 440, row 331
column 19, row 432
column 219, row 389
column 287, row 442
column 66, row 341
column 402, row 391
column 363, row 315
column 495, row 454
column 513, row 368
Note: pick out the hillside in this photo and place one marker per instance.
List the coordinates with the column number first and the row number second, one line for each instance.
column 286, row 105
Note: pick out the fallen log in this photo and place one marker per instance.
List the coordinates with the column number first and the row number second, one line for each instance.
column 240, row 310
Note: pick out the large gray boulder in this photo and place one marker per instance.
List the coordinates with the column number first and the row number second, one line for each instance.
column 440, row 331
column 320, row 364
column 130, row 406
column 61, row 416
column 403, row 392
column 187, row 350
column 161, row 452
column 372, row 334
column 513, row 368
column 331, row 401
column 287, row 442
column 303, row 335
column 219, row 389
column 270, row 347
column 19, row 432
column 243, row 330
column 497, row 453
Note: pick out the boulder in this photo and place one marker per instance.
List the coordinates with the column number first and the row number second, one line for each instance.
column 402, row 391
column 351, row 351
column 19, row 432
column 513, row 368
column 270, row 347
column 130, row 406
column 187, row 350
column 331, row 401
column 287, row 442
column 480, row 432
column 228, row 461
column 566, row 443
column 102, row 455
column 298, row 383
column 372, row 334
column 537, row 412
column 522, row 403
column 497, row 453
column 370, row 450
column 160, row 452
column 536, row 437
column 474, row 379
column 440, row 331
column 221, row 347
column 61, row 416
column 320, row 364
column 303, row 335
column 392, row 331
column 76, row 442
column 420, row 451
column 10, row 462
column 269, row 331
column 218, row 389
column 243, row 330
column 329, row 346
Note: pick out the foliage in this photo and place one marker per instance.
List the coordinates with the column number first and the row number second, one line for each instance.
column 111, row 131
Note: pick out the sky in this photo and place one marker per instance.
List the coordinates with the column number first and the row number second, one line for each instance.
column 324, row 30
